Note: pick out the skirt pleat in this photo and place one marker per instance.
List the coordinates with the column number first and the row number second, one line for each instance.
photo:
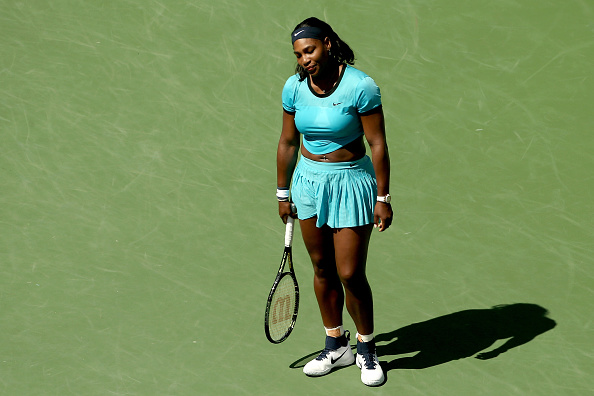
column 340, row 194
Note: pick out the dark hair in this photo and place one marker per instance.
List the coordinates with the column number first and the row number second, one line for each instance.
column 341, row 52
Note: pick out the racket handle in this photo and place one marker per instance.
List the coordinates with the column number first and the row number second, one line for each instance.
column 289, row 231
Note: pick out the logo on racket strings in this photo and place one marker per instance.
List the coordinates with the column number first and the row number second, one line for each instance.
column 281, row 310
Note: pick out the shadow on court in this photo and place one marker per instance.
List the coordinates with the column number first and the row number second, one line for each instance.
column 463, row 334
column 458, row 335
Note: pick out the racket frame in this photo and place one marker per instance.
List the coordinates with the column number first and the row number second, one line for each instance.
column 287, row 257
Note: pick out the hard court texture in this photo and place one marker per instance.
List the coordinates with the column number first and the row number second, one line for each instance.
column 139, row 229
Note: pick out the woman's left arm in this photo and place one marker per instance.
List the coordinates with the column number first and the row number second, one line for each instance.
column 375, row 133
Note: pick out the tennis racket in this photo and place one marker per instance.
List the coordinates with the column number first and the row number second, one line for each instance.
column 283, row 300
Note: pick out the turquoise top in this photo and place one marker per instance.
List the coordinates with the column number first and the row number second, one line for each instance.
column 330, row 121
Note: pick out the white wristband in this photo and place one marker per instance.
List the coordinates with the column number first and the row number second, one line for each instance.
column 282, row 194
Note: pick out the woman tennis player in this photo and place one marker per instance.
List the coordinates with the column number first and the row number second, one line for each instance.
column 340, row 193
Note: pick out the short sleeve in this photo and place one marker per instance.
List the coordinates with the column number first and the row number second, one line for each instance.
column 368, row 95
column 289, row 95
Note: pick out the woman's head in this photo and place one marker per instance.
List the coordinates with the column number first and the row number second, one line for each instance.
column 316, row 44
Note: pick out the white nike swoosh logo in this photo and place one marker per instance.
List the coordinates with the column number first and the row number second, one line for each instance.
column 296, row 34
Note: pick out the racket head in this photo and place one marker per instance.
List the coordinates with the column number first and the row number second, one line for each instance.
column 281, row 308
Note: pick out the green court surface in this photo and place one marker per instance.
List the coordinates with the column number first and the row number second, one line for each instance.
column 139, row 233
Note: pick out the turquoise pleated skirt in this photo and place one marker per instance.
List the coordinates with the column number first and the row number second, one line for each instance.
column 340, row 194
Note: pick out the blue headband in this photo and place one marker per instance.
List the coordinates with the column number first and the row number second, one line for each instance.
column 308, row 32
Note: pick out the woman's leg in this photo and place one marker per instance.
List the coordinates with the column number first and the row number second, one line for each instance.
column 330, row 296
column 351, row 246
column 327, row 285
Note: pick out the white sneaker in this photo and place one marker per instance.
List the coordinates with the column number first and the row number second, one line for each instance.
column 371, row 371
column 337, row 353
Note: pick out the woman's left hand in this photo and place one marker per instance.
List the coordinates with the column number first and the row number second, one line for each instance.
column 382, row 215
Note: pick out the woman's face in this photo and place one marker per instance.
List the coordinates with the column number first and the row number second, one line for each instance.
column 312, row 55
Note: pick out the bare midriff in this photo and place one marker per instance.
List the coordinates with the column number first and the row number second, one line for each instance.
column 351, row 152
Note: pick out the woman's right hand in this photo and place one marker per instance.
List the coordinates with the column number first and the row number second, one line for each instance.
column 284, row 210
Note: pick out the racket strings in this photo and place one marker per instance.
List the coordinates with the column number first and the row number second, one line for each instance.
column 282, row 308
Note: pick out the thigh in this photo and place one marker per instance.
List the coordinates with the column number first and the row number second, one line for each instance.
column 319, row 243
column 351, row 246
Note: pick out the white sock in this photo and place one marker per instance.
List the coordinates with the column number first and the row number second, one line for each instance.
column 365, row 338
column 328, row 331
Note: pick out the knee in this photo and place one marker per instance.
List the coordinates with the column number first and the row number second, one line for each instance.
column 323, row 267
column 352, row 277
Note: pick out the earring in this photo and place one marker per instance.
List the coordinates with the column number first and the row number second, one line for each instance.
column 330, row 53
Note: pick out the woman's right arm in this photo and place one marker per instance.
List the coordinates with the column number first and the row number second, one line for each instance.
column 286, row 159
